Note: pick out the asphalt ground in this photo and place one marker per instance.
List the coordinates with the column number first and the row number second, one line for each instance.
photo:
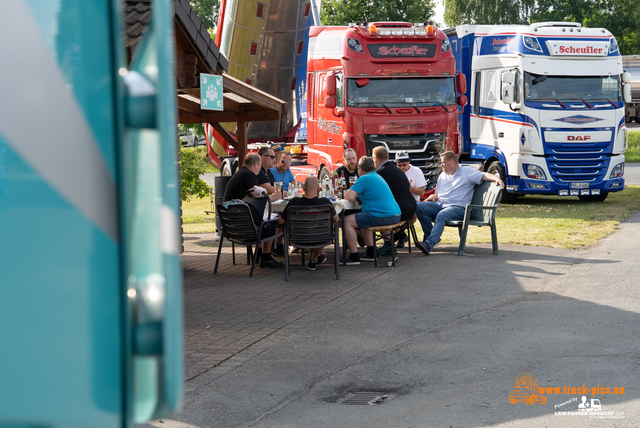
column 445, row 337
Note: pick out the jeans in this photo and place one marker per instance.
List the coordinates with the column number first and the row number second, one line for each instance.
column 428, row 211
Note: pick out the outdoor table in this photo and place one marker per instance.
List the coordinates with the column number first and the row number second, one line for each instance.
column 340, row 205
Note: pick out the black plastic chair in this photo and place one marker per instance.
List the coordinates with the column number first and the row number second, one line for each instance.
column 310, row 227
column 239, row 227
column 480, row 212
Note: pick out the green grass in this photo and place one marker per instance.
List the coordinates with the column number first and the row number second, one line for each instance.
column 632, row 155
column 194, row 218
column 545, row 221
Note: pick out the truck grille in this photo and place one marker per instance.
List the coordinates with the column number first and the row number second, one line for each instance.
column 424, row 151
column 575, row 163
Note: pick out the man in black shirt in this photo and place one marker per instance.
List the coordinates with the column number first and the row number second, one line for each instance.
column 245, row 183
column 310, row 198
column 350, row 167
column 400, row 187
column 265, row 178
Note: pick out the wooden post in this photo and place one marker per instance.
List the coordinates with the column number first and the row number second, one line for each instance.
column 242, row 142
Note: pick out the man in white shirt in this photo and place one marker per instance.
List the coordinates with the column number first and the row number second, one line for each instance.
column 416, row 178
column 454, row 192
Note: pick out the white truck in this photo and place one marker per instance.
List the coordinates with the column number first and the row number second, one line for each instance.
column 631, row 65
column 546, row 107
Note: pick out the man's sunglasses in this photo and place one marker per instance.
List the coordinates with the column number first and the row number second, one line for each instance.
column 287, row 162
column 270, row 156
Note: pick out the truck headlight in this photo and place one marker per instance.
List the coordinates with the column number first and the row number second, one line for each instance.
column 446, row 45
column 534, row 171
column 617, row 171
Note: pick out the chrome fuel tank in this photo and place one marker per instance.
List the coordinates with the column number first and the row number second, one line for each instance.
column 266, row 44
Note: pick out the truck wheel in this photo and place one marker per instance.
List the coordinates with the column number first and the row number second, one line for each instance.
column 226, row 169
column 496, row 168
column 594, row 198
column 324, row 172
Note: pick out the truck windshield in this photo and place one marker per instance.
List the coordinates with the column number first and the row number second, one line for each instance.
column 401, row 92
column 540, row 87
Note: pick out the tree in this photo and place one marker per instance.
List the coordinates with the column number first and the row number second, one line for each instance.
column 488, row 12
column 190, row 170
column 343, row 12
column 207, row 11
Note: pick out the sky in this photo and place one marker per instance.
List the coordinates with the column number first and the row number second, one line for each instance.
column 439, row 17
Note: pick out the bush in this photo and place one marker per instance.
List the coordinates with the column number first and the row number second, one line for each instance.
column 632, row 155
column 191, row 167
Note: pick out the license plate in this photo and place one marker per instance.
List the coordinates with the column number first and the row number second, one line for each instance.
column 579, row 185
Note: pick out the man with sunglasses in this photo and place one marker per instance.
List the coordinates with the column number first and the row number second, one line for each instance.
column 265, row 178
column 282, row 170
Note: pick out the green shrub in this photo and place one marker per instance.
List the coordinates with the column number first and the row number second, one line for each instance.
column 191, row 167
column 632, row 155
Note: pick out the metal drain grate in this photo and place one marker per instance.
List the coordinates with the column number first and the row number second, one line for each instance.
column 363, row 398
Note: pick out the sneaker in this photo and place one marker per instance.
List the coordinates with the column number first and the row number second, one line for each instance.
column 385, row 250
column 277, row 251
column 399, row 236
column 312, row 265
column 424, row 247
column 322, row 258
column 366, row 258
column 271, row 263
column 361, row 242
column 353, row 260
column 400, row 243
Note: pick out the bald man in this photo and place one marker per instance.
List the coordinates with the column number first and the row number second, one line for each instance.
column 310, row 198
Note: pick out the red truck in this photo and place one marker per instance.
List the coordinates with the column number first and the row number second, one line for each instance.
column 369, row 84
column 389, row 84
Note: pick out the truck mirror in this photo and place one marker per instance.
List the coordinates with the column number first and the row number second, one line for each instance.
column 507, row 77
column 362, row 82
column 626, row 92
column 340, row 112
column 461, row 83
column 462, row 100
column 507, row 94
column 330, row 102
column 626, row 77
column 330, row 85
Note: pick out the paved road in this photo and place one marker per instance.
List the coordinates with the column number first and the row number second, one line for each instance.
column 444, row 336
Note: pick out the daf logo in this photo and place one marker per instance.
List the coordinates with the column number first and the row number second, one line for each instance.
column 406, row 143
column 578, row 137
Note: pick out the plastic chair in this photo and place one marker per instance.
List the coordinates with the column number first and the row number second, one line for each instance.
column 239, row 227
column 310, row 227
column 480, row 212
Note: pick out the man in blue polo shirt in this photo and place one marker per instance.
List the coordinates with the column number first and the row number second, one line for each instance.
column 454, row 192
column 282, row 171
column 379, row 208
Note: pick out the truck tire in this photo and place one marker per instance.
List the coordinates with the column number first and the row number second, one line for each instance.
column 324, row 172
column 226, row 169
column 594, row 198
column 496, row 168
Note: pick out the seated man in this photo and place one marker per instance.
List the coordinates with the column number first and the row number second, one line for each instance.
column 245, row 183
column 310, row 198
column 401, row 189
column 379, row 208
column 454, row 191
column 282, row 171
column 350, row 167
